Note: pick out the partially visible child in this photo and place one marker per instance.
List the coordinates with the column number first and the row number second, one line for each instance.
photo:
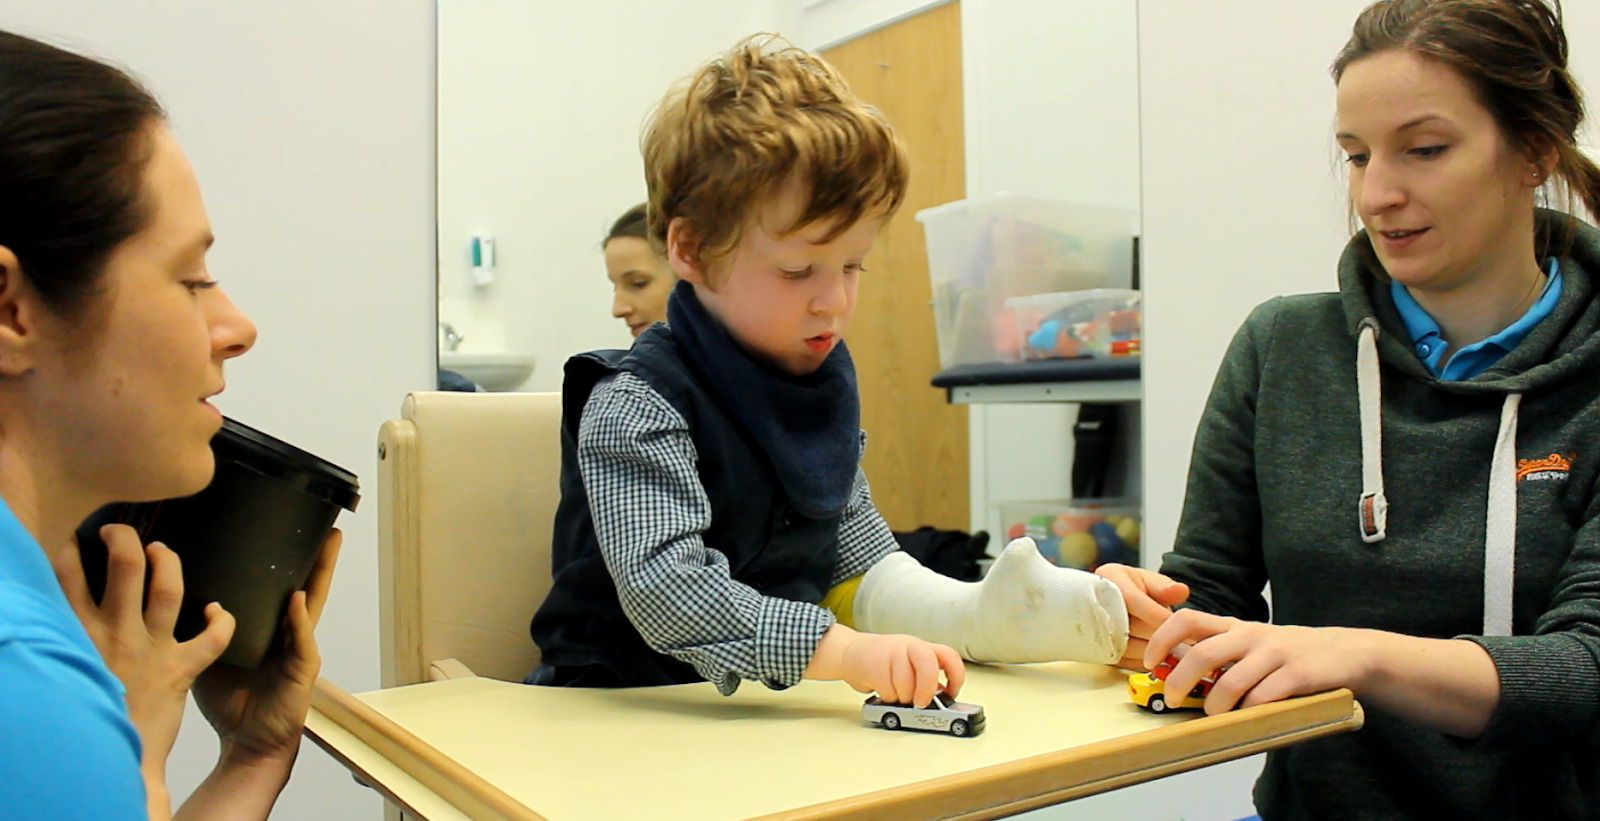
column 715, row 523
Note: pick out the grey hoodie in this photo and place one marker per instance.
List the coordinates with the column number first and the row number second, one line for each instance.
column 1492, row 533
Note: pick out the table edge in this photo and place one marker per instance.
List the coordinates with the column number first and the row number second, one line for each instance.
column 1030, row 783
column 469, row 792
column 316, row 727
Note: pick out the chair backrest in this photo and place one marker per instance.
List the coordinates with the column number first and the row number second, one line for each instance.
column 467, row 492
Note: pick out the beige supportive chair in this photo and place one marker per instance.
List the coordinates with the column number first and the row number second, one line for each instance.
column 467, row 491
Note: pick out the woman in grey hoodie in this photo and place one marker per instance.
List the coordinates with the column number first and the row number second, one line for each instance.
column 1411, row 462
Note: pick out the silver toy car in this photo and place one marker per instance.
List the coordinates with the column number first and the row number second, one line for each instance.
column 943, row 714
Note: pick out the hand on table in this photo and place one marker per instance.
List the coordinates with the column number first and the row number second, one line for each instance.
column 1264, row 662
column 1150, row 597
column 902, row 669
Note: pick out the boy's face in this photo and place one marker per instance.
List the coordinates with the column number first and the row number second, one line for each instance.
column 787, row 299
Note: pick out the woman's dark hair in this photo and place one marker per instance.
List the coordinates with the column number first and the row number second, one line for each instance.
column 74, row 141
column 631, row 224
column 1513, row 53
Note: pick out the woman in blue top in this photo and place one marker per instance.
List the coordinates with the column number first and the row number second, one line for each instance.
column 112, row 338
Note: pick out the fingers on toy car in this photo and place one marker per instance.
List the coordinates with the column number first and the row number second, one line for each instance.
column 1147, row 689
column 942, row 715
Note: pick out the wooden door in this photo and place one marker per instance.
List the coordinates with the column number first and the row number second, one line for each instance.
column 916, row 457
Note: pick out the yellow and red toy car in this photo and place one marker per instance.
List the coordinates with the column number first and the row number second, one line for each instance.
column 1147, row 689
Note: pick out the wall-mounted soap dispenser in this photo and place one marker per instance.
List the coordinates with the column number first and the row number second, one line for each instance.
column 482, row 260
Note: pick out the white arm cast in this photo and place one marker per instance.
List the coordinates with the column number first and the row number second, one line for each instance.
column 1025, row 610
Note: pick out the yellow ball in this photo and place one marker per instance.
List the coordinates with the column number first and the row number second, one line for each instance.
column 1129, row 531
column 1077, row 550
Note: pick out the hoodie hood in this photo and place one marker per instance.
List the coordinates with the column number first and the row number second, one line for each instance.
column 1566, row 345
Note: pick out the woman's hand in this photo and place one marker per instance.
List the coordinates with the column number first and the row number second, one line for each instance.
column 133, row 633
column 259, row 714
column 1264, row 662
column 1150, row 597
column 1448, row 685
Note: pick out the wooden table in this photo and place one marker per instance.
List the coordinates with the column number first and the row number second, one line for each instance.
column 488, row 750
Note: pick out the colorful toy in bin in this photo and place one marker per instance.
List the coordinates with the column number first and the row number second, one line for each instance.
column 1078, row 550
column 1085, row 533
column 1109, row 547
column 1125, row 331
column 1054, row 339
column 1128, row 529
column 1038, row 529
column 1050, row 548
column 1006, row 336
column 1101, row 322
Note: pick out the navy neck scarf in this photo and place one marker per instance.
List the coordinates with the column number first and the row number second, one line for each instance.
column 809, row 426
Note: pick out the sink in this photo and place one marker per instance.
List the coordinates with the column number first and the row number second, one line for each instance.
column 494, row 371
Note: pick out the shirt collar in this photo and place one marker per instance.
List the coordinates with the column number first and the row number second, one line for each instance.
column 21, row 559
column 1422, row 327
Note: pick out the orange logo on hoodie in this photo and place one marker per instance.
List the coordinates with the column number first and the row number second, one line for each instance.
column 1551, row 468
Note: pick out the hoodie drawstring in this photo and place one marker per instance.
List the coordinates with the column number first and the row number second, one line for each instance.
column 1500, row 539
column 1373, row 507
column 1500, row 536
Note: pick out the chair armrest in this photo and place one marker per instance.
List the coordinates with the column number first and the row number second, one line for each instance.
column 447, row 669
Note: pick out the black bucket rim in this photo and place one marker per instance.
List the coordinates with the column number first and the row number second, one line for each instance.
column 285, row 462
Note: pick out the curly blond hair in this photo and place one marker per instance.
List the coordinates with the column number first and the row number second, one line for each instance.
column 752, row 120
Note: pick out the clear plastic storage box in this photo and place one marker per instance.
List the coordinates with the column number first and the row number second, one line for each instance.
column 1102, row 322
column 1082, row 533
column 986, row 250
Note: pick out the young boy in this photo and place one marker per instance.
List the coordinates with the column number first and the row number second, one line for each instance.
column 714, row 522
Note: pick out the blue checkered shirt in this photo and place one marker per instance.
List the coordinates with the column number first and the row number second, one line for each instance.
column 651, row 513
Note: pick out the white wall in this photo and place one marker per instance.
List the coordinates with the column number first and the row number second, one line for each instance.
column 1052, row 109
column 1583, row 34
column 1243, row 200
column 540, row 109
column 1052, row 99
column 311, row 127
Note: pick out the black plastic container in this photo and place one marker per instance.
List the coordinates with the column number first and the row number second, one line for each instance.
column 248, row 541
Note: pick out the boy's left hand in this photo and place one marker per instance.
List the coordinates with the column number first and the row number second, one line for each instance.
column 259, row 714
column 1264, row 662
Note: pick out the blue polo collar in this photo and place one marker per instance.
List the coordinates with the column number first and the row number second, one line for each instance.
column 1478, row 357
